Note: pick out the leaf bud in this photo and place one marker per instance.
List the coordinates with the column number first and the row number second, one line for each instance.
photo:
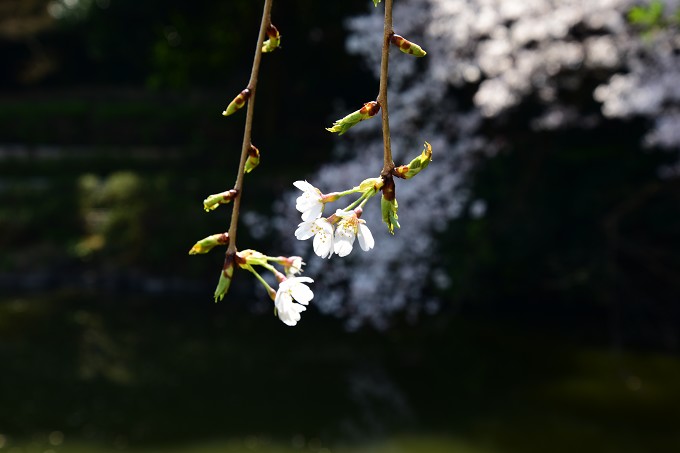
column 389, row 205
column 274, row 40
column 207, row 244
column 253, row 159
column 238, row 102
column 369, row 110
column 225, row 278
column 217, row 199
column 407, row 46
column 416, row 165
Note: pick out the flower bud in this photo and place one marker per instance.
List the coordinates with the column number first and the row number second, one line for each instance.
column 225, row 278
column 375, row 2
column 253, row 159
column 238, row 102
column 419, row 163
column 274, row 40
column 207, row 244
column 217, row 199
column 389, row 205
column 250, row 257
column 407, row 46
column 371, row 183
column 369, row 110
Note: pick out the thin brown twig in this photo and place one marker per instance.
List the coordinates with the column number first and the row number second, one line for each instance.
column 252, row 84
column 388, row 163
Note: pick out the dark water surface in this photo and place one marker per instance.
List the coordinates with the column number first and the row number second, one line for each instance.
column 91, row 373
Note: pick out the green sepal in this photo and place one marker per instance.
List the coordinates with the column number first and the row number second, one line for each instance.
column 389, row 213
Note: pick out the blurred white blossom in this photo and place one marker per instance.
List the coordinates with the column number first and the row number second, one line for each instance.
column 485, row 58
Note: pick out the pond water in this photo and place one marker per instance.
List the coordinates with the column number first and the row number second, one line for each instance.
column 88, row 373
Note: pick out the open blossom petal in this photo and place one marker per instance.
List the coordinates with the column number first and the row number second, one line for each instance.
column 310, row 203
column 291, row 290
column 366, row 241
column 323, row 238
column 322, row 230
column 344, row 239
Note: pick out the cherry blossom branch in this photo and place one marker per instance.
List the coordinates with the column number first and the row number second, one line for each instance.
column 388, row 164
column 252, row 84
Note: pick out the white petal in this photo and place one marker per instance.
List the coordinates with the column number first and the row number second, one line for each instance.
column 313, row 212
column 343, row 246
column 302, row 293
column 305, row 186
column 304, row 231
column 343, row 240
column 366, row 241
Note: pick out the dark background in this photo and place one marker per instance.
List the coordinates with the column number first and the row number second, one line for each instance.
column 560, row 332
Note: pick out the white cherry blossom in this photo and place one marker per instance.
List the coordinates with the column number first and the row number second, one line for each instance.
column 290, row 291
column 322, row 230
column 349, row 228
column 310, row 203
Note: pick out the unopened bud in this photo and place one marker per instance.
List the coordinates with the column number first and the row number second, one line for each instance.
column 369, row 110
column 407, row 46
column 225, row 278
column 371, row 183
column 419, row 163
column 274, row 40
column 250, row 257
column 389, row 205
column 217, row 199
column 253, row 159
column 238, row 102
column 207, row 244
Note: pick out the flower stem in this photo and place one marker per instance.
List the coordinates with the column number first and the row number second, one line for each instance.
column 388, row 163
column 252, row 84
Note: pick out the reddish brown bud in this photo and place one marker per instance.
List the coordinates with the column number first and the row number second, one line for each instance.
column 238, row 102
column 370, row 109
column 407, row 46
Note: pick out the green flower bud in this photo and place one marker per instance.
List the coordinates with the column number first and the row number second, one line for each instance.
column 207, row 244
column 225, row 278
column 407, row 46
column 253, row 159
column 250, row 257
column 217, row 199
column 371, row 183
column 375, row 2
column 238, row 102
column 369, row 110
column 274, row 40
column 419, row 163
column 389, row 205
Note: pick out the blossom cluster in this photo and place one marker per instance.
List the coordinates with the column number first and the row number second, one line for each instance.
column 336, row 233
